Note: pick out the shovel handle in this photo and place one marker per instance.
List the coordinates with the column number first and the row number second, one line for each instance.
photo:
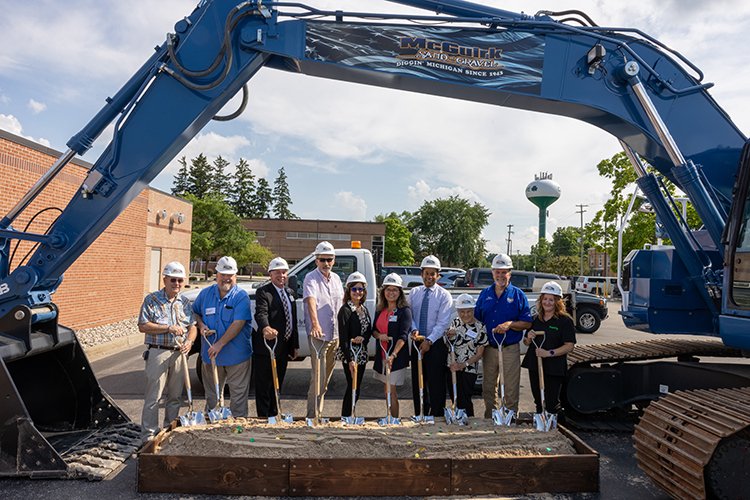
column 186, row 372
column 541, row 380
column 219, row 392
column 354, row 377
column 453, row 379
column 274, row 374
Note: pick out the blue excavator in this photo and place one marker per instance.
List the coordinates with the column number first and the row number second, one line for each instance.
column 693, row 415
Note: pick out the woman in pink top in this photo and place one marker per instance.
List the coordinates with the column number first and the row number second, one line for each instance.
column 392, row 327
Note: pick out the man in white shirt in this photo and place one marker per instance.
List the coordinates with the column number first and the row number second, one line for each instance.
column 322, row 296
column 431, row 314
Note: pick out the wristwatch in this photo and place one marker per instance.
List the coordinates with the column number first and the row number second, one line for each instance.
column 552, row 352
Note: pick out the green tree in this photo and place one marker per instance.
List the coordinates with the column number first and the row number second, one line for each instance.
column 282, row 200
column 254, row 253
column 565, row 241
column 216, row 230
column 243, row 191
column 452, row 230
column 220, row 181
column 199, row 180
column 397, row 240
column 181, row 182
column 262, row 200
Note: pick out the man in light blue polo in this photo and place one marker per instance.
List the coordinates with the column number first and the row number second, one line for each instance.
column 222, row 313
column 504, row 310
column 323, row 296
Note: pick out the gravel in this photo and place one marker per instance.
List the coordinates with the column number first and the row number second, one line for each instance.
column 91, row 337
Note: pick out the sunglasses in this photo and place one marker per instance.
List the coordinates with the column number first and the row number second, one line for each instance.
column 327, row 259
column 357, row 289
column 176, row 280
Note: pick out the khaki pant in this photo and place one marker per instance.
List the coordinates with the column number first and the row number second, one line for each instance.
column 237, row 377
column 491, row 378
column 328, row 355
column 164, row 370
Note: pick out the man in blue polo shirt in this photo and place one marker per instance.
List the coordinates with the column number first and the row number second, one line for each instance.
column 504, row 310
column 222, row 312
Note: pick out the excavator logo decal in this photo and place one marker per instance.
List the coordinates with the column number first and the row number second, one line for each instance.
column 490, row 59
column 4, row 288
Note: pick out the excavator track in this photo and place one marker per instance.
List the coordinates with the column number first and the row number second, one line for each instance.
column 608, row 384
column 696, row 444
column 648, row 349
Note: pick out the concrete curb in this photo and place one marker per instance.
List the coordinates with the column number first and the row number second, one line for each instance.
column 100, row 351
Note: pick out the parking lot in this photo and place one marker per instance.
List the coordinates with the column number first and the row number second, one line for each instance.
column 121, row 375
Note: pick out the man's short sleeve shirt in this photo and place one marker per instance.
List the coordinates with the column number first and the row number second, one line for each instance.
column 217, row 314
column 158, row 309
column 511, row 305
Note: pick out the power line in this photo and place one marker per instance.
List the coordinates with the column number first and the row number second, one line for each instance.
column 581, row 211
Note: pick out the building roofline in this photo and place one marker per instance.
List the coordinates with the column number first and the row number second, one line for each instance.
column 316, row 220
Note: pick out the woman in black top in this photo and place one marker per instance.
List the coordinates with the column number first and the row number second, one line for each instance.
column 553, row 331
column 355, row 328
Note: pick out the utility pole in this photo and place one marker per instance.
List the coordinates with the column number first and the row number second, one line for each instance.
column 581, row 211
column 509, row 240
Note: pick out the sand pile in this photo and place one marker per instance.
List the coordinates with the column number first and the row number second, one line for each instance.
column 256, row 439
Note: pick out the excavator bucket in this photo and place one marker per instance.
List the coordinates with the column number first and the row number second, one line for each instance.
column 55, row 420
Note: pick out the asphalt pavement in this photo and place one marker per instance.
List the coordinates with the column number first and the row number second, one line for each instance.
column 121, row 375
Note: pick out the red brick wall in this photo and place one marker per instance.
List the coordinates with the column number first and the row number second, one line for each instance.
column 88, row 296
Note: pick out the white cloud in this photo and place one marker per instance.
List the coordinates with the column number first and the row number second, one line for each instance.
column 11, row 124
column 36, row 107
column 351, row 205
column 422, row 191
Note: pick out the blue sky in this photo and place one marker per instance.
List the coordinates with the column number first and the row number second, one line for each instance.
column 352, row 151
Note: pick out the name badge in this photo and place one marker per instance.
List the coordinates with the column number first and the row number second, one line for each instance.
column 471, row 334
column 210, row 311
column 392, row 319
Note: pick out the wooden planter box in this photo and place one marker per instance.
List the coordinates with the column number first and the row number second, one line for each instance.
column 158, row 473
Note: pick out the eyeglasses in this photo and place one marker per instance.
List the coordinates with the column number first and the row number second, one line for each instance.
column 327, row 259
column 176, row 280
column 357, row 289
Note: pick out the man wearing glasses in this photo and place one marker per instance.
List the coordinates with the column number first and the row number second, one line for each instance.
column 222, row 313
column 167, row 321
column 323, row 296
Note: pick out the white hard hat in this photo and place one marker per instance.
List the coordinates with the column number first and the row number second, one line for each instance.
column 324, row 248
column 502, row 261
column 356, row 277
column 276, row 264
column 174, row 269
column 393, row 279
column 226, row 265
column 430, row 261
column 552, row 288
column 465, row 301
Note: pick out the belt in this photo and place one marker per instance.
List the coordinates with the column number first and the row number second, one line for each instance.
column 165, row 347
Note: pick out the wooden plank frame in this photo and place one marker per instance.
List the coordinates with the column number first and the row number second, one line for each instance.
column 366, row 476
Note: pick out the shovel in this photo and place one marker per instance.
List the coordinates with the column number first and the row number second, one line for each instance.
column 191, row 417
column 220, row 412
column 452, row 415
column 421, row 418
column 503, row 415
column 286, row 417
column 354, row 420
column 311, row 422
column 543, row 421
column 388, row 420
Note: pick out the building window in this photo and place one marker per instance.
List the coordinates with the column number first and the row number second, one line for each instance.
column 260, row 234
column 296, row 235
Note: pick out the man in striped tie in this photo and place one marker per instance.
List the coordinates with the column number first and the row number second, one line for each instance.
column 276, row 315
column 431, row 309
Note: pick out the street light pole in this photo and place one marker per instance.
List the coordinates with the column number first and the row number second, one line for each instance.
column 581, row 211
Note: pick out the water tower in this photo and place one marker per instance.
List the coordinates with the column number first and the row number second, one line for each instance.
column 543, row 192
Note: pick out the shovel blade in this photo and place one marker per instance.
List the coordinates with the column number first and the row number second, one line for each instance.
column 503, row 416
column 353, row 420
column 540, row 422
column 389, row 421
column 218, row 414
column 287, row 418
column 551, row 422
column 461, row 417
column 192, row 418
column 420, row 419
column 450, row 416
column 272, row 421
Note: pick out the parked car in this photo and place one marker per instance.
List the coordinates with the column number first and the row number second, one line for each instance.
column 410, row 275
column 481, row 277
column 447, row 279
column 605, row 286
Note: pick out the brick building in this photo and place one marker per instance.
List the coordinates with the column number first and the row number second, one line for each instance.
column 294, row 239
column 153, row 230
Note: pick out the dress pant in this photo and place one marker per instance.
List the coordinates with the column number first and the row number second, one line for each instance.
column 433, row 368
column 491, row 378
column 328, row 355
column 465, row 388
column 346, row 406
column 265, row 397
column 164, row 370
column 236, row 377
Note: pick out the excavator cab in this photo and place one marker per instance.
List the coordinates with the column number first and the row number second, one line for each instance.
column 67, row 426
